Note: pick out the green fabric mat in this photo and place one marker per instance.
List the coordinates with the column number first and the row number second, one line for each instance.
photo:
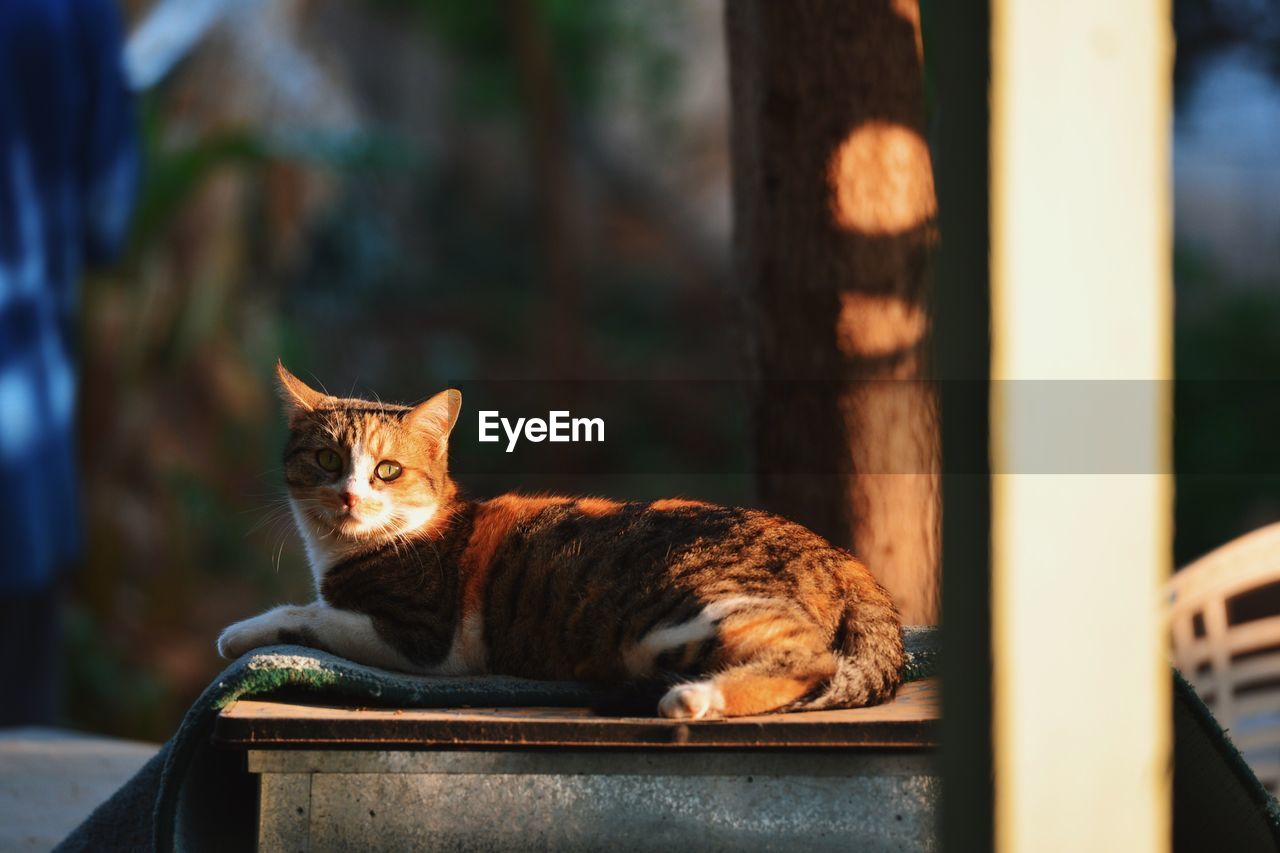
column 194, row 797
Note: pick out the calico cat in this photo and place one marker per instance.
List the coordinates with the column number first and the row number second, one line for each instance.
column 736, row 610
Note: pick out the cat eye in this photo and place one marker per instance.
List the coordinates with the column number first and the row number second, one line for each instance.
column 387, row 471
column 328, row 460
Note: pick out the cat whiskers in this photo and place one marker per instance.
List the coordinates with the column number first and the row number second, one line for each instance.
column 276, row 504
column 270, row 519
column 279, row 523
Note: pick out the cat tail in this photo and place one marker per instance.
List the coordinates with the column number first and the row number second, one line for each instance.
column 869, row 655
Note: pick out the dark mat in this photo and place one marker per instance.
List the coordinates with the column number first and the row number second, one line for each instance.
column 1218, row 802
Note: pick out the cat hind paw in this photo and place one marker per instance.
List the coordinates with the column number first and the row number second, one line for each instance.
column 698, row 700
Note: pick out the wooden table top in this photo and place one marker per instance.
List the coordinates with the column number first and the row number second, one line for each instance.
column 910, row 720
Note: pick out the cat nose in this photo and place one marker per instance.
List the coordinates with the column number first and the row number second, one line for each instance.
column 348, row 498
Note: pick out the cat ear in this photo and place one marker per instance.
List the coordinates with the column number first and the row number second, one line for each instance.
column 437, row 415
column 298, row 397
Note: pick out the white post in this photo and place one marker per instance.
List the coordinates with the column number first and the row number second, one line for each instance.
column 1081, row 491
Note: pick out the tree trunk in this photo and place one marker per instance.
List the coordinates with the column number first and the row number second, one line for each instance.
column 834, row 222
column 545, row 112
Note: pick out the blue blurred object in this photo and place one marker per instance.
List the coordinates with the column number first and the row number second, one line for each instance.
column 68, row 176
column 168, row 34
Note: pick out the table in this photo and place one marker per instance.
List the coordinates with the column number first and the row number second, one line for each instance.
column 560, row 778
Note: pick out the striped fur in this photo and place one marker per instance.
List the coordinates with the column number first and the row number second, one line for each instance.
column 742, row 612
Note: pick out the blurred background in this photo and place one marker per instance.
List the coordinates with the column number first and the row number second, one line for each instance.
column 1226, row 186
column 395, row 194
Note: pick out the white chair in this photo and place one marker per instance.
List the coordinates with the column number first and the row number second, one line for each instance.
column 1225, row 620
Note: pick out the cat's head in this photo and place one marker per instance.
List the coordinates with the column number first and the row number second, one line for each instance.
column 360, row 472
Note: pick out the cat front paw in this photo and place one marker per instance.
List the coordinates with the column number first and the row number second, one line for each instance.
column 282, row 625
column 240, row 638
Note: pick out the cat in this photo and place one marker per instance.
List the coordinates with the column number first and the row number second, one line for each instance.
column 733, row 611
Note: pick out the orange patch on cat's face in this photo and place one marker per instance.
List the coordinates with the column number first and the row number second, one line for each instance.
column 389, row 442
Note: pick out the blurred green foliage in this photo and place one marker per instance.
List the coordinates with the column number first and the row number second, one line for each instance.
column 1226, row 405
column 581, row 36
